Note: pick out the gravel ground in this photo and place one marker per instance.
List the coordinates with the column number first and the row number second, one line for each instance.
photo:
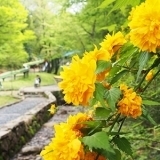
column 11, row 112
column 31, row 150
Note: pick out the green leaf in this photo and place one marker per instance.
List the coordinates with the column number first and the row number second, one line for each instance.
column 123, row 3
column 112, row 97
column 127, row 51
column 98, row 140
column 93, row 127
column 99, row 93
column 146, row 115
column 112, row 156
column 102, row 113
column 143, row 59
column 123, row 144
column 118, row 76
column 105, row 3
column 102, row 66
column 110, row 28
column 93, row 124
column 150, row 103
column 114, row 71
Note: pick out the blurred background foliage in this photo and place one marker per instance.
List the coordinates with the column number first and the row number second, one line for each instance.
column 54, row 29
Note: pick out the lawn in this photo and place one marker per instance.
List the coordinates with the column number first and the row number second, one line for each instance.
column 4, row 100
column 20, row 82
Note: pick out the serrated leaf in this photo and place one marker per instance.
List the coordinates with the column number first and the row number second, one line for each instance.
column 102, row 113
column 143, row 59
column 126, row 53
column 102, row 66
column 98, row 140
column 93, row 101
column 150, row 103
column 123, row 144
column 112, row 97
column 123, row 3
column 118, row 76
column 99, row 93
column 114, row 71
column 112, row 156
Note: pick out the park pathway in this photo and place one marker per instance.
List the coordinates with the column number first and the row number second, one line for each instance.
column 11, row 112
column 32, row 97
column 32, row 149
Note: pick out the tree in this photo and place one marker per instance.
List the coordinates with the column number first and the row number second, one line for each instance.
column 13, row 33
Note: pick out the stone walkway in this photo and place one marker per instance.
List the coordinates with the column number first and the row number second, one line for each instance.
column 32, row 149
column 41, row 89
column 11, row 112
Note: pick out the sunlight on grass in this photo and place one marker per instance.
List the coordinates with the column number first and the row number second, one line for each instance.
column 4, row 100
column 21, row 81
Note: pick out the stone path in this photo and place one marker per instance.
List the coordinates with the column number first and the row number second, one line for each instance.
column 11, row 112
column 40, row 89
column 31, row 150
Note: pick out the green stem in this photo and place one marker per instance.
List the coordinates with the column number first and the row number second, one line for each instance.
column 155, row 64
column 138, row 86
column 121, row 124
column 114, row 122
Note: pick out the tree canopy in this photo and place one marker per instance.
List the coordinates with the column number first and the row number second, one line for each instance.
column 13, row 33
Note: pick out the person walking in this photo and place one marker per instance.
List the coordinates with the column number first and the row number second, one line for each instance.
column 37, row 81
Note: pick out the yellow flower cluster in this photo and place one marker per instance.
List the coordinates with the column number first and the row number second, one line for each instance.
column 145, row 25
column 66, row 144
column 78, row 79
column 130, row 104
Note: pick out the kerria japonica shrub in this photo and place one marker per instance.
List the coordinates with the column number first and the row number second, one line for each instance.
column 110, row 83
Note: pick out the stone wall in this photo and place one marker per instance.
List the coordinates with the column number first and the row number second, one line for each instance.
column 16, row 133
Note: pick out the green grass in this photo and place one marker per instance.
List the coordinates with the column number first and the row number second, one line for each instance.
column 20, row 81
column 4, row 100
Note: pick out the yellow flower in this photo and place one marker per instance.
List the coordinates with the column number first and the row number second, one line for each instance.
column 66, row 144
column 75, row 121
column 112, row 43
column 52, row 109
column 102, row 75
column 145, row 31
column 47, row 153
column 149, row 75
column 130, row 104
column 99, row 55
column 78, row 80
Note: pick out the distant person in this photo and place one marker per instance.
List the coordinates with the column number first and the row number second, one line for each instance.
column 37, row 81
column 45, row 66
